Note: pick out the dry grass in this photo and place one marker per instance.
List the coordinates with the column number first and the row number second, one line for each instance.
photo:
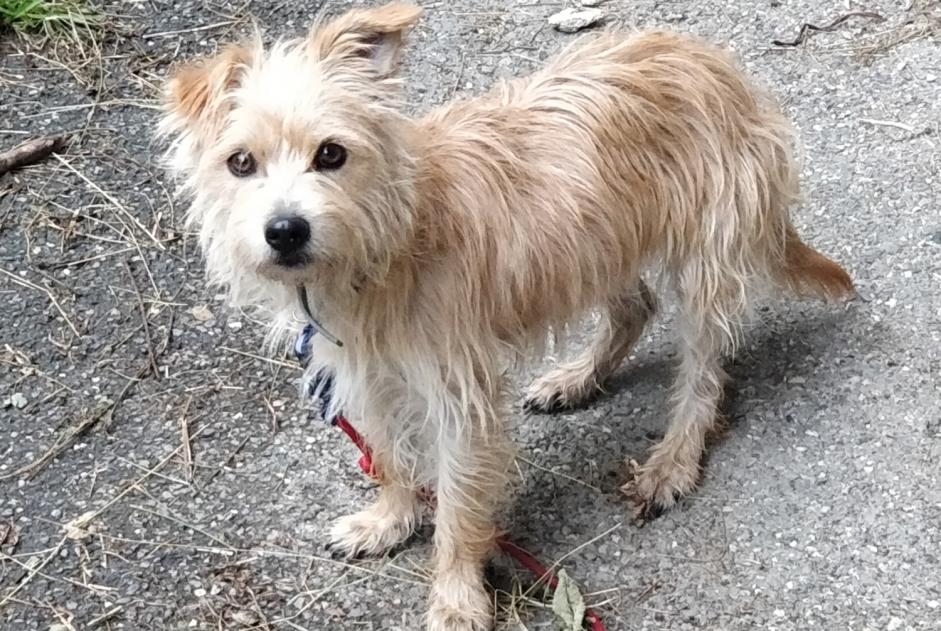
column 921, row 20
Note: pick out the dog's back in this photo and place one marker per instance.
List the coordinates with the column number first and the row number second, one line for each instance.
column 624, row 151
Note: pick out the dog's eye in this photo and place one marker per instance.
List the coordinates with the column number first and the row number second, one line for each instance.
column 329, row 156
column 242, row 164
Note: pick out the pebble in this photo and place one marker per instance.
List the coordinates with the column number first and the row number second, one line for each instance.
column 572, row 20
column 201, row 313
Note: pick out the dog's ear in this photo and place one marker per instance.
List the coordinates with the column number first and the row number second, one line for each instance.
column 196, row 93
column 374, row 35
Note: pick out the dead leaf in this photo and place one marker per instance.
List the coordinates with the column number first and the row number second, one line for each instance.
column 245, row 618
column 79, row 527
column 9, row 537
column 568, row 604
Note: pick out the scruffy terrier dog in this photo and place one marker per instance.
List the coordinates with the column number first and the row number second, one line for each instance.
column 443, row 250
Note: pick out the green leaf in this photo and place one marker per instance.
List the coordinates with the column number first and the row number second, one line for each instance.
column 568, row 604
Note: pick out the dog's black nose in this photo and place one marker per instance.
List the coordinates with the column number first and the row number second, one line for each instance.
column 287, row 235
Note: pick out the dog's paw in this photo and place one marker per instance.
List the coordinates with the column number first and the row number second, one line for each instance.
column 443, row 619
column 467, row 608
column 655, row 486
column 369, row 533
column 560, row 389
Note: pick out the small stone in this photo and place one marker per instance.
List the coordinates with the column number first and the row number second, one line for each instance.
column 199, row 593
column 894, row 624
column 572, row 20
column 201, row 313
column 235, row 325
column 591, row 3
column 245, row 618
column 18, row 400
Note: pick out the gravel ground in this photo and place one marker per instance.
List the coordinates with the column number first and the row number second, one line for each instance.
column 190, row 489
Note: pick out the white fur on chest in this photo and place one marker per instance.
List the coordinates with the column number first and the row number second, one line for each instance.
column 398, row 404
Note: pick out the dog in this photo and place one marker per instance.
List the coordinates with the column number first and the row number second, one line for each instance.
column 445, row 251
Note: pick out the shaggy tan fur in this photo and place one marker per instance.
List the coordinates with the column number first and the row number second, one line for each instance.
column 448, row 248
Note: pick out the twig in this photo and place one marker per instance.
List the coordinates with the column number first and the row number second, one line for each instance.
column 156, row 474
column 55, row 303
column 61, row 444
column 143, row 317
column 97, row 589
column 881, row 123
column 115, row 203
column 574, row 550
column 195, row 29
column 265, row 552
column 85, row 519
column 183, row 523
column 65, row 622
column 224, row 464
column 108, row 615
column 185, row 438
column 807, row 28
column 274, row 415
column 82, row 261
column 33, row 572
column 31, row 152
column 460, row 76
column 269, row 360
column 558, row 473
column 104, row 412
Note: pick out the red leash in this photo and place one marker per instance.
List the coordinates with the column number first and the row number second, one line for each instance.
column 365, row 461
column 521, row 556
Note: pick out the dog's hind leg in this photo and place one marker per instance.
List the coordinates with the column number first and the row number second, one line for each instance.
column 710, row 319
column 622, row 323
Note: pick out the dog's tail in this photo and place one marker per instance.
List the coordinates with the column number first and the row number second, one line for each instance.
column 808, row 272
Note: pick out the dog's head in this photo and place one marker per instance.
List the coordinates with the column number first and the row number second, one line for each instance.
column 296, row 156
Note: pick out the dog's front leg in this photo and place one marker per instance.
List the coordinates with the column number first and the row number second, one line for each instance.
column 471, row 481
column 388, row 522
